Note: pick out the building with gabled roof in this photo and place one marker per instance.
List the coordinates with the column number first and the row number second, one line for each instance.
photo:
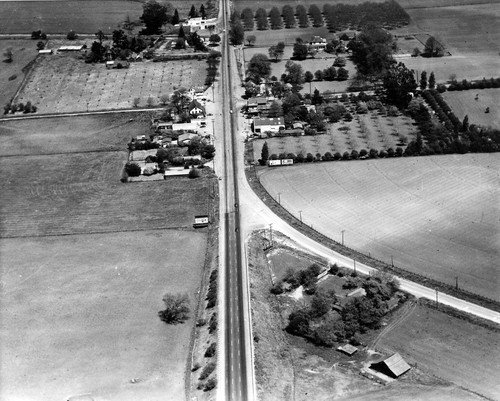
column 393, row 366
column 262, row 125
column 195, row 108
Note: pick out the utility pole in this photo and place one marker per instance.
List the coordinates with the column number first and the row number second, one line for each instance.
column 392, row 261
column 354, row 266
column 271, row 233
column 279, row 198
column 456, row 282
column 437, row 301
column 300, row 214
column 343, row 231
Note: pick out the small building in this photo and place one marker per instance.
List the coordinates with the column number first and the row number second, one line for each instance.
column 110, row 64
column 394, row 366
column 254, row 103
column 263, row 125
column 185, row 139
column 72, row 48
column 45, row 51
column 196, row 109
column 347, row 349
column 358, row 292
column 200, row 221
column 198, row 23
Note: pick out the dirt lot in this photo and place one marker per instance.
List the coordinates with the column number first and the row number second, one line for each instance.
column 82, row 319
column 23, row 52
column 378, row 132
column 439, row 223
column 63, row 83
column 469, row 355
column 94, row 245
column 463, row 103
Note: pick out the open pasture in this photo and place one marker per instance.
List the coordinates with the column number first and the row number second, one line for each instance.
column 450, row 348
column 436, row 215
column 63, row 83
column 82, row 193
column 106, row 132
column 463, row 103
column 79, row 315
column 23, row 52
column 83, row 17
column 271, row 37
column 371, row 131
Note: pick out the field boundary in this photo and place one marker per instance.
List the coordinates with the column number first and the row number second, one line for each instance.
column 254, row 182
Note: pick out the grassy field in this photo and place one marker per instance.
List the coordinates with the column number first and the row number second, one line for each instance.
column 370, row 132
column 74, row 238
column 23, row 52
column 441, row 222
column 62, row 83
column 63, row 16
column 108, row 132
column 464, row 103
column 470, row 31
column 468, row 355
column 82, row 319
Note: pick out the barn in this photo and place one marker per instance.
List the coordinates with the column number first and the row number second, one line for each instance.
column 394, row 366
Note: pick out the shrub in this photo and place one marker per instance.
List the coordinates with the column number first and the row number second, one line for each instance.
column 210, row 384
column 213, row 323
column 12, row 77
column 176, row 308
column 210, row 352
column 201, row 322
column 207, row 370
column 71, row 35
column 334, row 269
column 193, row 173
column 133, row 169
column 195, row 367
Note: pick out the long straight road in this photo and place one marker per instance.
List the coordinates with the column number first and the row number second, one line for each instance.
column 235, row 335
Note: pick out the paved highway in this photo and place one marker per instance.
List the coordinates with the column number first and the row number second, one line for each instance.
column 235, row 338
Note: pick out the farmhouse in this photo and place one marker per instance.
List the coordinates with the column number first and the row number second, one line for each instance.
column 263, row 125
column 196, row 109
column 200, row 23
column 393, row 366
column 318, row 43
column 347, row 349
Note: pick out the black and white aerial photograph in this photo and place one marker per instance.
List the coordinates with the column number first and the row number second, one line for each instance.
column 249, row 200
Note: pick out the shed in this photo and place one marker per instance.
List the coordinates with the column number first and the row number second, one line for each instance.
column 358, row 292
column 45, row 51
column 200, row 221
column 347, row 349
column 393, row 366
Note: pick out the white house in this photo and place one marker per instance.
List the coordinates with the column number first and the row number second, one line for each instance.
column 200, row 23
column 318, row 43
column 196, row 109
column 263, row 125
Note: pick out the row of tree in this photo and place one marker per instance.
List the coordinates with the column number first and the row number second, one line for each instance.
column 337, row 16
column 466, row 85
column 25, row 108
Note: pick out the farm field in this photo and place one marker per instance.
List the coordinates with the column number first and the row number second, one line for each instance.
column 97, row 246
column 469, row 355
column 83, row 17
column 23, row 52
column 106, row 132
column 442, row 222
column 370, row 132
column 62, row 83
column 271, row 37
column 83, row 319
column 462, row 103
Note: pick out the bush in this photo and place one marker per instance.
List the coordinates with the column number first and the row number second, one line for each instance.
column 213, row 323
column 133, row 169
column 210, row 384
column 194, row 173
column 71, row 35
column 207, row 370
column 12, row 77
column 334, row 269
column 210, row 352
column 176, row 308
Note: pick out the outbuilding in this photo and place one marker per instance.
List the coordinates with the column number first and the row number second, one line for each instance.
column 394, row 366
column 263, row 125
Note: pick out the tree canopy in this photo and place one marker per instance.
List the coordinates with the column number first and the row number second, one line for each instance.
column 259, row 67
column 154, row 15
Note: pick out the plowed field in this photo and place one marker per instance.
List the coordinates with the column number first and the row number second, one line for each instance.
column 438, row 216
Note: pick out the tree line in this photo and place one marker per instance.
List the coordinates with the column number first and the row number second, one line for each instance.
column 337, row 16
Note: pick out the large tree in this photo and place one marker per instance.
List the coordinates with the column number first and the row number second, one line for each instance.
column 259, row 67
column 236, row 33
column 176, row 308
column 372, row 50
column 154, row 15
column 300, row 50
column 275, row 18
column 433, row 48
column 399, row 83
